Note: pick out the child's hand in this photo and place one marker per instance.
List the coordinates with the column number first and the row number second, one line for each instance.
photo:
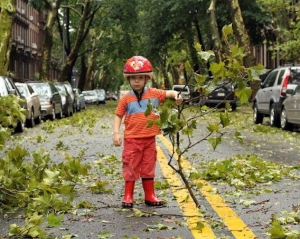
column 117, row 139
column 178, row 99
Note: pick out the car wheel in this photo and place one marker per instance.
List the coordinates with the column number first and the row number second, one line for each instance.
column 52, row 116
column 30, row 122
column 284, row 124
column 38, row 120
column 20, row 127
column 60, row 114
column 233, row 107
column 257, row 117
column 68, row 112
column 72, row 111
column 274, row 119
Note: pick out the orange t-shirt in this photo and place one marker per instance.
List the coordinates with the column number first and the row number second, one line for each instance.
column 135, row 120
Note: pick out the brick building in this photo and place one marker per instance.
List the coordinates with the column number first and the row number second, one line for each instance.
column 27, row 40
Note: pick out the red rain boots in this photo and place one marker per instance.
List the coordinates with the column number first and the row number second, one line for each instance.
column 150, row 197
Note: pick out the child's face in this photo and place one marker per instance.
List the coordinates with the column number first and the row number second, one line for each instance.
column 138, row 82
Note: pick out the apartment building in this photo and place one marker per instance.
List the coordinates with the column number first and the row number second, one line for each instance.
column 27, row 40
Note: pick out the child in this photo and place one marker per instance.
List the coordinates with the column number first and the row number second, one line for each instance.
column 139, row 152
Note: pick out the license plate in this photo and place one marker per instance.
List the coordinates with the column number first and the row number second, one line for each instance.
column 221, row 94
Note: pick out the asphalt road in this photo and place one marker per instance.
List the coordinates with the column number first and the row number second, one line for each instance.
column 221, row 212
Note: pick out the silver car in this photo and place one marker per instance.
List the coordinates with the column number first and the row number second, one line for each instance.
column 80, row 100
column 90, row 96
column 34, row 111
column 290, row 111
column 50, row 99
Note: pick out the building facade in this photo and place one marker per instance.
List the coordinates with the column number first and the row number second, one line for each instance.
column 27, row 40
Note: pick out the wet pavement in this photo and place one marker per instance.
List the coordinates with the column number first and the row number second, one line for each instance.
column 106, row 218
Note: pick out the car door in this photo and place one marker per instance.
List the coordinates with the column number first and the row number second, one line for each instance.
column 264, row 94
column 56, row 98
column 35, row 100
column 293, row 106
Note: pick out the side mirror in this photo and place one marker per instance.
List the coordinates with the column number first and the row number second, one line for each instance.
column 289, row 92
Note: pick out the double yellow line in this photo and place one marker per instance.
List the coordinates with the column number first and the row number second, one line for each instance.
column 194, row 217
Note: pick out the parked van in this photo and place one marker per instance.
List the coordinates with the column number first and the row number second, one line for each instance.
column 184, row 91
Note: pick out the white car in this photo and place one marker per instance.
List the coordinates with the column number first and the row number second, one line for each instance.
column 34, row 110
column 184, row 91
column 90, row 96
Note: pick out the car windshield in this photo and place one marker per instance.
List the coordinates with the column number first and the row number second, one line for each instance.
column 100, row 92
column 41, row 89
column 61, row 89
column 295, row 76
column 22, row 90
column 89, row 93
column 181, row 89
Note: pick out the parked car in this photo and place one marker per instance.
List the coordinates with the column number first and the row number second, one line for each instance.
column 101, row 96
column 184, row 91
column 50, row 98
column 220, row 92
column 290, row 110
column 7, row 86
column 80, row 100
column 71, row 93
column 111, row 96
column 268, row 99
column 90, row 96
column 34, row 110
column 67, row 101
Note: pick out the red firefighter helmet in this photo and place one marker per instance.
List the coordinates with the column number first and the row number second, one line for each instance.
column 137, row 65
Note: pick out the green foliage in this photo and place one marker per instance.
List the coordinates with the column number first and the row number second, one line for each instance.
column 100, row 187
column 31, row 229
column 6, row 4
column 11, row 111
column 38, row 187
column 278, row 231
column 244, row 171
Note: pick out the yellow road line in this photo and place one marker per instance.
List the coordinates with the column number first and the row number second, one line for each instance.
column 237, row 227
column 186, row 203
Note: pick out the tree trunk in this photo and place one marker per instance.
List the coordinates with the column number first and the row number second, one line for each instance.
column 243, row 39
column 7, row 13
column 83, row 70
column 66, row 73
column 214, row 31
column 52, row 10
column 240, row 32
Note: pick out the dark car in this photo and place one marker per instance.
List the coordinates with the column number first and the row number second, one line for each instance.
column 67, row 101
column 7, row 86
column 50, row 98
column 220, row 92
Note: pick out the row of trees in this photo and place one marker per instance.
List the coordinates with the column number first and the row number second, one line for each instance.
column 99, row 35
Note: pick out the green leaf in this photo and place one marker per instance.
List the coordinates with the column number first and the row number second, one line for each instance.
column 212, row 127
column 215, row 141
column 188, row 67
column 224, row 120
column 277, row 231
column 53, row 220
column 104, row 235
column 149, row 108
column 199, row 226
